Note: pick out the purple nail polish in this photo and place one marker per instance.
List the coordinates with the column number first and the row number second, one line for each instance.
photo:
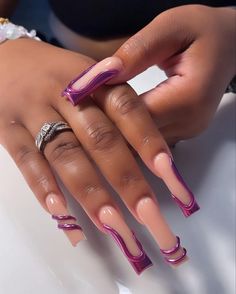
column 166, row 169
column 192, row 206
column 172, row 251
column 66, row 226
column 93, row 77
column 140, row 262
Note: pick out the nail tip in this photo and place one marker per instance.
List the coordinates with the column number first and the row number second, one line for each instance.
column 183, row 261
column 139, row 263
column 168, row 253
column 142, row 265
column 79, row 241
column 188, row 212
column 189, row 209
column 76, row 96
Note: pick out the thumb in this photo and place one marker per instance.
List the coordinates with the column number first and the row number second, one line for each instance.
column 153, row 45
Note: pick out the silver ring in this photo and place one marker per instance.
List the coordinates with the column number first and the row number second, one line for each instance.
column 48, row 132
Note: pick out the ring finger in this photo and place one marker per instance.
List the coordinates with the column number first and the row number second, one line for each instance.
column 38, row 174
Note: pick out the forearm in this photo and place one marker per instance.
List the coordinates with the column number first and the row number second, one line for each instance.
column 7, row 7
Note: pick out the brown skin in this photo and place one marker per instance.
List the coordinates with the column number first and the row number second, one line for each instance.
column 199, row 59
column 195, row 46
column 33, row 75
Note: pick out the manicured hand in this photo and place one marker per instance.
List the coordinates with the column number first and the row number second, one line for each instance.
column 33, row 75
column 195, row 46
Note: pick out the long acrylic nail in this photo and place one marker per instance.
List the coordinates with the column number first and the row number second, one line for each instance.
column 66, row 222
column 150, row 214
column 114, row 224
column 92, row 78
column 180, row 192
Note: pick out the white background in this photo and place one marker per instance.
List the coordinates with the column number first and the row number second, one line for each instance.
column 36, row 258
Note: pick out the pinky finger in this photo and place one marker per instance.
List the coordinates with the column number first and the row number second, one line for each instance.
column 40, row 178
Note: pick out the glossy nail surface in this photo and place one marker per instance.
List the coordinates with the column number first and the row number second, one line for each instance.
column 150, row 214
column 176, row 254
column 92, row 78
column 180, row 192
column 114, row 224
column 66, row 222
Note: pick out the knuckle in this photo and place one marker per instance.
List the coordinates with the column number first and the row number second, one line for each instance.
column 123, row 101
column 64, row 150
column 102, row 136
column 41, row 182
column 24, row 155
column 147, row 140
column 129, row 179
column 28, row 160
column 90, row 189
column 136, row 45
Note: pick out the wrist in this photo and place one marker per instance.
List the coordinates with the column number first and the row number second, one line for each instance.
column 11, row 46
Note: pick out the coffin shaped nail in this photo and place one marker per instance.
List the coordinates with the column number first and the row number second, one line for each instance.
column 176, row 254
column 92, row 78
column 66, row 222
column 180, row 192
column 151, row 216
column 114, row 224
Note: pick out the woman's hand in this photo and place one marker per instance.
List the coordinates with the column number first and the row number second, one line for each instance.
column 33, row 75
column 195, row 46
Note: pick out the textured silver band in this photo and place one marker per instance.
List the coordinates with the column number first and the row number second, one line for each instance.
column 48, row 132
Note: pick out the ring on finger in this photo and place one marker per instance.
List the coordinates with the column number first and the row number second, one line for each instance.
column 48, row 132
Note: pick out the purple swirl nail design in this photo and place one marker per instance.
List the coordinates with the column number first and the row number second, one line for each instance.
column 140, row 262
column 76, row 96
column 66, row 226
column 173, row 250
column 178, row 259
column 187, row 209
column 69, row 227
column 63, row 217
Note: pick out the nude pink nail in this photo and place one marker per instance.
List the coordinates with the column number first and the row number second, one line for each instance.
column 151, row 216
column 114, row 224
column 66, row 222
column 180, row 192
column 93, row 77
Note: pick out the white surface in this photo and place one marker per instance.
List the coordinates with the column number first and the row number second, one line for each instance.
column 36, row 258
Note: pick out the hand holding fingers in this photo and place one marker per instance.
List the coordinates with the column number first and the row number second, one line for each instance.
column 122, row 106
column 67, row 153
column 190, row 52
